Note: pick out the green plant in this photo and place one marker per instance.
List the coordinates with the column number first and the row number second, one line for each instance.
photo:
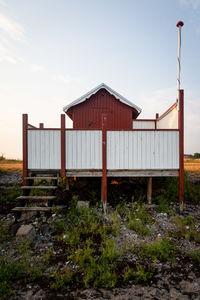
column 140, row 274
column 163, row 206
column 62, row 281
column 194, row 256
column 138, row 219
column 5, row 233
column 9, row 195
column 161, row 249
column 186, row 228
column 138, row 226
column 9, row 271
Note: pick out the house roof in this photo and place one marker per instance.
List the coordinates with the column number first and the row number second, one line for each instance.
column 95, row 90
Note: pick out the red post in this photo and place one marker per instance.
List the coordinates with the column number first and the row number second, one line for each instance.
column 41, row 125
column 181, row 148
column 62, row 146
column 104, row 160
column 25, row 147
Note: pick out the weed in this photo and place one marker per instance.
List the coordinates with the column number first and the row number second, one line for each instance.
column 9, row 194
column 139, row 219
column 138, row 226
column 186, row 228
column 5, row 233
column 62, row 280
column 163, row 206
column 194, row 256
column 140, row 274
column 161, row 249
column 9, row 271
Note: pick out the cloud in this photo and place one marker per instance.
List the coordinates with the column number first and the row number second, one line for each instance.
column 61, row 78
column 194, row 3
column 37, row 68
column 10, row 27
column 6, row 56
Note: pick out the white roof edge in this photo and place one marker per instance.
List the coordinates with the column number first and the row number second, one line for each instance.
column 96, row 89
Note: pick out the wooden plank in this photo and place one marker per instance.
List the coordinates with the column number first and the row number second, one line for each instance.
column 42, row 187
column 142, row 173
column 123, row 173
column 42, row 177
column 36, row 198
column 32, row 208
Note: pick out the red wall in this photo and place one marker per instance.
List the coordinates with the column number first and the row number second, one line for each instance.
column 89, row 113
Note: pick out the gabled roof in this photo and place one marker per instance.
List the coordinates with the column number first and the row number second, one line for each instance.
column 95, row 90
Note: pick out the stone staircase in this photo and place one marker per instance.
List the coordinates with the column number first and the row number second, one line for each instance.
column 41, row 194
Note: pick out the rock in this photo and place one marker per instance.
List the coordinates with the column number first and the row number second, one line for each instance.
column 83, row 204
column 189, row 288
column 27, row 215
column 174, row 294
column 25, row 232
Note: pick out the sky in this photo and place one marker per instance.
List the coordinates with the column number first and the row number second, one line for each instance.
column 54, row 51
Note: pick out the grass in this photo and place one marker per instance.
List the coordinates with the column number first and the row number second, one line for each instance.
column 160, row 249
column 140, row 274
column 9, row 271
column 194, row 256
column 163, row 206
column 5, row 232
column 139, row 219
column 186, row 228
column 90, row 247
column 8, row 195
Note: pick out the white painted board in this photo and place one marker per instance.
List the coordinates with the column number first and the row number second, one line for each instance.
column 142, row 150
column 83, row 149
column 44, row 152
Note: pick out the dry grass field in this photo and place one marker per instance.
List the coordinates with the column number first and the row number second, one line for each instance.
column 10, row 164
column 192, row 166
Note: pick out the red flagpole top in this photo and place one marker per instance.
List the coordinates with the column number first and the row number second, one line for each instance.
column 180, row 23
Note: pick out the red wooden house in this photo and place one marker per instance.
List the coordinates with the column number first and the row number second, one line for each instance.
column 107, row 139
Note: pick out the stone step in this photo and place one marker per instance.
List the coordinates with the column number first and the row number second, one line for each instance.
column 41, row 177
column 36, row 198
column 39, row 187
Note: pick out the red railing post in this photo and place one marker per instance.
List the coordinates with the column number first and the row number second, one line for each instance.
column 24, row 147
column 104, row 160
column 181, row 148
column 62, row 137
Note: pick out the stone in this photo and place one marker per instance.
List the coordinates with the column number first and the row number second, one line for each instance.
column 174, row 294
column 27, row 215
column 25, row 232
column 83, row 204
column 189, row 288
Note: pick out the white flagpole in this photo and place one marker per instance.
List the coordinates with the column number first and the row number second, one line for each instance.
column 179, row 25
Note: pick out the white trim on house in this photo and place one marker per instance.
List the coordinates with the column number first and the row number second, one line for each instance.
column 95, row 90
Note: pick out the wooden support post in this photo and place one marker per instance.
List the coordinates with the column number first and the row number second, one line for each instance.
column 149, row 190
column 104, row 161
column 25, row 146
column 181, row 149
column 62, row 173
column 67, row 184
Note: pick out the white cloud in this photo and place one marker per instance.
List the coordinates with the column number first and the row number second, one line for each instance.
column 61, row 78
column 194, row 3
column 6, row 56
column 10, row 27
column 37, row 68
